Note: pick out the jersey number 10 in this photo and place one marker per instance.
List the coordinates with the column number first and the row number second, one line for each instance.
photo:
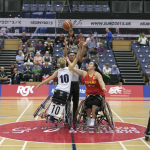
column 64, row 78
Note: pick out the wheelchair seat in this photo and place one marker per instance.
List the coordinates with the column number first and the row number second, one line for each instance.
column 59, row 101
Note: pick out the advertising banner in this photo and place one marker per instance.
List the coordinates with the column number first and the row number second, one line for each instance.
column 146, row 91
column 24, row 91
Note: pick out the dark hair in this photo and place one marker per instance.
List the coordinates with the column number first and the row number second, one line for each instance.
column 97, row 70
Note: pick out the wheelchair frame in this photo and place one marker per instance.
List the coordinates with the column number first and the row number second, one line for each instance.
column 45, row 105
column 107, row 117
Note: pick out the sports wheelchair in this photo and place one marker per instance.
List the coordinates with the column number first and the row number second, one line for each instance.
column 56, row 108
column 104, row 119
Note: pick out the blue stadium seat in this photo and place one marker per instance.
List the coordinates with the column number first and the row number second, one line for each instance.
column 54, row 56
column 102, row 64
column 58, row 51
column 108, row 55
column 31, row 66
column 97, row 8
column 82, row 8
column 20, row 67
column 58, row 8
column 105, row 8
column 41, row 7
column 26, row 7
column 89, row 8
column 102, row 61
column 93, row 60
column 138, row 55
column 134, row 42
column 136, row 46
column 57, row 46
column 102, row 56
column 33, row 7
column 111, row 61
column 74, row 8
column 141, row 59
column 49, row 7
column 108, row 51
column 146, row 51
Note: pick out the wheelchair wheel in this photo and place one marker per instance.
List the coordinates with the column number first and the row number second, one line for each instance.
column 42, row 106
column 78, row 114
column 109, row 116
column 69, row 116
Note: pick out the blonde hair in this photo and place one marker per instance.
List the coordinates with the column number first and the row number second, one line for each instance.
column 61, row 63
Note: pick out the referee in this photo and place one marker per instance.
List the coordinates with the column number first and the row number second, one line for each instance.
column 74, row 91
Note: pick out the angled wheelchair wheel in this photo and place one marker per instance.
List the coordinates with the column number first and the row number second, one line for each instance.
column 108, row 115
column 42, row 106
column 78, row 114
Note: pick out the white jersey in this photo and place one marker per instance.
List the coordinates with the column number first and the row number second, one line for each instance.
column 64, row 79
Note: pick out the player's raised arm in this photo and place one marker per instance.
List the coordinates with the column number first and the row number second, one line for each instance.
column 65, row 49
column 47, row 80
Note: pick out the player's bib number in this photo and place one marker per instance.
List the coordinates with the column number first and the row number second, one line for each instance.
column 56, row 110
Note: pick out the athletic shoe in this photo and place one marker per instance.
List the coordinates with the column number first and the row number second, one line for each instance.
column 92, row 122
column 51, row 119
column 88, row 121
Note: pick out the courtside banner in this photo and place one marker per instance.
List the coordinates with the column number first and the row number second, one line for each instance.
column 24, row 91
column 105, row 23
column 146, row 90
column 124, row 91
column 51, row 89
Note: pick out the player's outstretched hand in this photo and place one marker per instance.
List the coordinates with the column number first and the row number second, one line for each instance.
column 105, row 90
column 85, row 43
column 80, row 44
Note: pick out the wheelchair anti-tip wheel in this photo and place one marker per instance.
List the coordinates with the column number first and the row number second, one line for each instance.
column 42, row 106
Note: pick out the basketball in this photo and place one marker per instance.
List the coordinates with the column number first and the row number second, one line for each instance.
column 67, row 25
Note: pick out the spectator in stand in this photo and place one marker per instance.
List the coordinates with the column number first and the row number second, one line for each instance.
column 143, row 40
column 100, row 49
column 49, row 48
column 99, row 42
column 74, row 47
column 20, row 58
column 147, row 71
column 12, row 68
column 59, row 39
column 89, row 38
column 81, row 37
column 22, row 48
column 47, row 58
column 24, row 39
column 71, row 36
column 92, row 43
column 38, row 58
column 36, row 72
column 49, row 41
column 46, row 70
column 55, row 63
column 115, row 70
column 3, row 76
column 28, row 58
column 40, row 47
column 86, row 57
column 31, row 48
column 16, row 77
column 93, row 54
column 27, row 71
column 108, row 39
column 107, row 69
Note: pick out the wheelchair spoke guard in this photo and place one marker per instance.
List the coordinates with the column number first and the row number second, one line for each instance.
column 42, row 106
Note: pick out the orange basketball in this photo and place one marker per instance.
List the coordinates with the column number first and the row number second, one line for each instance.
column 67, row 25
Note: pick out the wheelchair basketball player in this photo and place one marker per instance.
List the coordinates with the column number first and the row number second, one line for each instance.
column 64, row 75
column 95, row 90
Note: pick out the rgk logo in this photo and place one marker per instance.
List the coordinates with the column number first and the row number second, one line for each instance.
column 25, row 90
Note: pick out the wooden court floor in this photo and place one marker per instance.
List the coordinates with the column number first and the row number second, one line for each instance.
column 135, row 112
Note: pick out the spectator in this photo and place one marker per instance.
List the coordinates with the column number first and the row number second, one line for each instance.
column 71, row 4
column 24, row 39
column 108, row 39
column 55, row 63
column 40, row 48
column 31, row 48
column 71, row 36
column 147, row 71
column 99, row 42
column 81, row 37
column 92, row 43
column 100, row 49
column 89, row 38
column 12, row 68
column 49, row 41
column 115, row 70
column 27, row 71
column 22, row 48
column 74, row 47
column 36, row 72
column 16, row 77
column 93, row 54
column 142, row 40
column 59, row 39
column 28, row 58
column 38, row 58
column 20, row 58
column 47, row 58
column 107, row 69
column 46, row 70
column 3, row 76
column 86, row 57
column 49, row 48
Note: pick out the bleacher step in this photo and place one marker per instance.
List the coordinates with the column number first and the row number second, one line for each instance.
column 128, row 68
column 129, row 71
column 133, row 83
column 131, row 77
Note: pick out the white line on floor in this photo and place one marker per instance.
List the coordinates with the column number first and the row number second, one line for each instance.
column 122, row 146
column 145, row 143
column 11, row 145
column 25, row 143
column 117, row 115
column 2, row 141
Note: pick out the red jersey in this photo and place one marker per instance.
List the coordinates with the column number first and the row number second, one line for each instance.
column 92, row 85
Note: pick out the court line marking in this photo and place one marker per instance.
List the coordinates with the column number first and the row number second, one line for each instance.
column 117, row 115
column 11, row 145
column 122, row 146
column 145, row 143
column 24, row 111
column 25, row 143
column 2, row 141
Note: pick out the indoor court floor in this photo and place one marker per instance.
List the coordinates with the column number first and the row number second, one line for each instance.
column 24, row 132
